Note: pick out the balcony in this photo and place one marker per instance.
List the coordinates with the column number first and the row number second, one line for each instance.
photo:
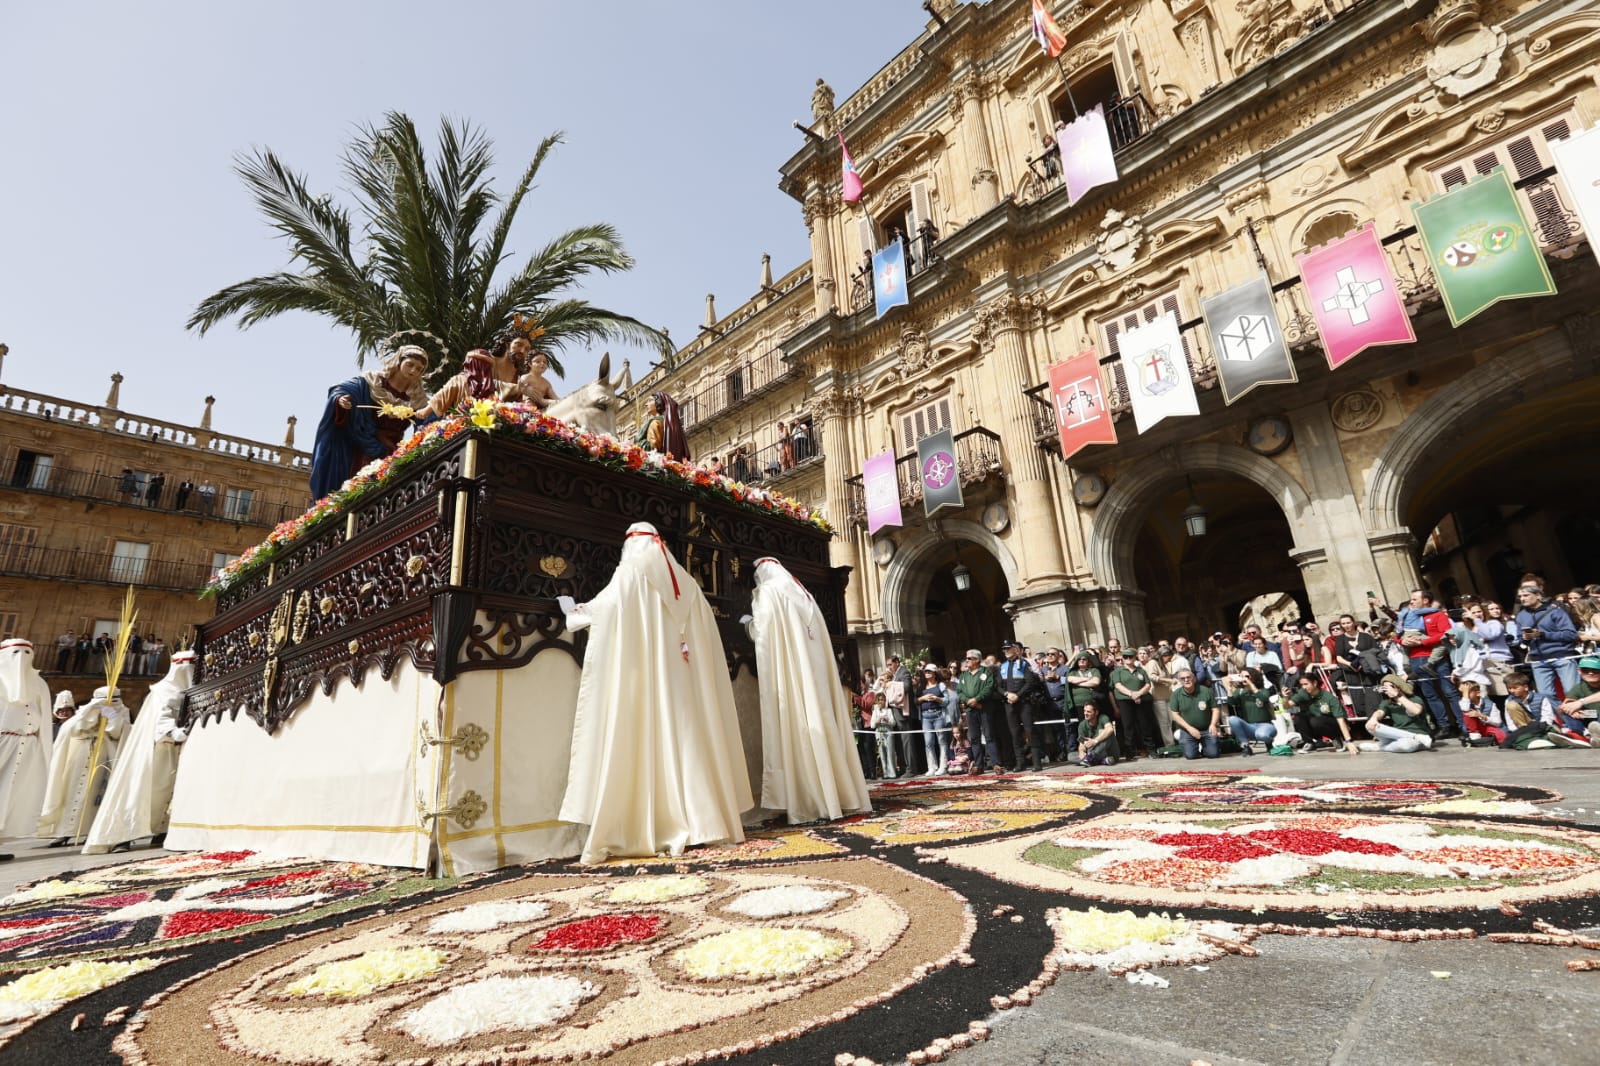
column 774, row 464
column 241, row 509
column 921, row 253
column 1557, row 226
column 737, row 386
column 69, row 564
column 977, row 458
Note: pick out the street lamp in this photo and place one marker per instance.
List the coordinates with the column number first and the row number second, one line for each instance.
column 1194, row 516
column 961, row 575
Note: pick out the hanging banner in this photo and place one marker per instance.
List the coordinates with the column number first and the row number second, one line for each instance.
column 1086, row 156
column 1481, row 247
column 1247, row 339
column 889, row 277
column 1157, row 372
column 1578, row 168
column 882, row 487
column 1078, row 396
column 1353, row 296
column 941, row 480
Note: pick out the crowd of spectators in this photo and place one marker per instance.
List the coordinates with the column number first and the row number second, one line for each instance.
column 85, row 653
column 1399, row 679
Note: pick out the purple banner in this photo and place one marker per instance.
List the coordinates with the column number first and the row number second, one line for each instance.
column 883, row 492
column 1086, row 156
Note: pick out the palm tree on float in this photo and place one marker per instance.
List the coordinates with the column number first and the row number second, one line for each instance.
column 430, row 248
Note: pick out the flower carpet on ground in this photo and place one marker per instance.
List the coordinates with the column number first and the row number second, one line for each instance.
column 889, row 936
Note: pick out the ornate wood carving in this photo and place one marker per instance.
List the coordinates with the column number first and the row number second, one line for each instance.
column 538, row 524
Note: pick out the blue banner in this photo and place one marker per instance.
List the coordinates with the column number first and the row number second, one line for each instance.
column 889, row 277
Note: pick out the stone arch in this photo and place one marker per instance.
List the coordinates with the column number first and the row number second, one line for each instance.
column 1503, row 381
column 1117, row 519
column 905, row 584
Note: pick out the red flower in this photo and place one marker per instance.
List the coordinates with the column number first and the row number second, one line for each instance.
column 189, row 923
column 597, row 934
column 1320, row 842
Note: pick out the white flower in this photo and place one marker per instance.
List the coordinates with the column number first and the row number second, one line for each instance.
column 784, row 900
column 54, row 890
column 481, row 917
column 658, row 889
column 759, row 953
column 496, row 1003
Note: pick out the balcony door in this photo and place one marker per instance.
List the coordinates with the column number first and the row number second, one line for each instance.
column 128, row 561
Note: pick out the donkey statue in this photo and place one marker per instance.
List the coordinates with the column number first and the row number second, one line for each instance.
column 594, row 407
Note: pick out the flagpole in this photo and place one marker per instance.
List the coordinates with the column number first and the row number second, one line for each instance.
column 1261, row 260
column 1062, row 67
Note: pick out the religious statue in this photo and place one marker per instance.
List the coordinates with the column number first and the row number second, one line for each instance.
column 533, row 387
column 492, row 373
column 366, row 417
column 662, row 428
column 822, row 107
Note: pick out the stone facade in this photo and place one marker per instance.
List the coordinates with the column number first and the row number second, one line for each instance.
column 72, row 538
column 1246, row 133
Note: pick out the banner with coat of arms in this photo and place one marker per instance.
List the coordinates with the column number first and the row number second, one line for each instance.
column 1353, row 296
column 1481, row 246
column 941, row 477
column 1078, row 398
column 1247, row 338
column 1157, row 372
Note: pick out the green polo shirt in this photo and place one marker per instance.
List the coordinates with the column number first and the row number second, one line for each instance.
column 1088, row 730
column 1194, row 707
column 1252, row 707
column 1324, row 702
column 1080, row 695
column 1133, row 680
column 1396, row 715
column 1580, row 691
column 977, row 685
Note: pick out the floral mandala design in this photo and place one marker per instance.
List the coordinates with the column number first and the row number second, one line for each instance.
column 550, row 968
column 1291, row 793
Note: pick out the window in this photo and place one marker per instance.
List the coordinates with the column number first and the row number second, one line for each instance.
column 8, row 629
column 32, row 470
column 923, row 422
column 1111, row 330
column 907, row 216
column 128, row 559
column 16, row 546
column 236, row 504
column 222, row 559
column 735, row 382
column 1101, row 88
column 109, row 627
column 1524, row 153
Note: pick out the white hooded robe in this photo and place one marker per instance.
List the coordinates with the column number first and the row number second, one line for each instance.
column 138, row 797
column 657, row 761
column 73, row 792
column 24, row 740
column 809, row 765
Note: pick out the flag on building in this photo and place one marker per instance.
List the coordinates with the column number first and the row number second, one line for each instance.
column 1353, row 296
column 1046, row 32
column 1578, row 168
column 941, row 479
column 852, row 180
column 1157, row 372
column 889, row 276
column 1481, row 247
column 1078, row 396
column 881, row 484
column 1086, row 156
column 1247, row 339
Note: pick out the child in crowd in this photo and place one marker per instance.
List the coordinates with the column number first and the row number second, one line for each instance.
column 1484, row 722
column 960, row 752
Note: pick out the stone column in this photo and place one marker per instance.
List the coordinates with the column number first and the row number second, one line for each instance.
column 818, row 221
column 999, row 333
column 1394, row 554
column 832, row 407
column 1327, row 481
column 968, row 95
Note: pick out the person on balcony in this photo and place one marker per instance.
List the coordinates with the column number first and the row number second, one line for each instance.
column 352, row 432
column 785, row 447
column 800, row 432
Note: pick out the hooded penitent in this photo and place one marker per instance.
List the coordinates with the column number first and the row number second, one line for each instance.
column 24, row 739
column 139, row 794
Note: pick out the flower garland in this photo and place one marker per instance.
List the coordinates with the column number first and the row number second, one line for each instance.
column 496, row 1003
column 516, row 420
column 383, row 968
column 44, row 990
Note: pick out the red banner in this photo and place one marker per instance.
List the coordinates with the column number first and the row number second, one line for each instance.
column 1078, row 396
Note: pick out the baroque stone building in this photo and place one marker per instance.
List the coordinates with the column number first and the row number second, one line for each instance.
column 83, row 516
column 1245, row 133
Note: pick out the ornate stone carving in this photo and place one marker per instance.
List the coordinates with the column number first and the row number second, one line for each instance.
column 1270, row 27
column 1357, row 411
column 1249, row 193
column 1120, row 239
column 1314, row 178
column 1467, row 55
column 1491, row 119
column 822, row 108
column 995, row 317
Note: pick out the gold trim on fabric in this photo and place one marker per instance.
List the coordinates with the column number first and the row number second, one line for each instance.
column 499, row 704
column 506, row 830
column 441, row 779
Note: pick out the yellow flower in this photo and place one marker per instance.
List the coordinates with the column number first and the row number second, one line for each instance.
column 759, row 953
column 349, row 978
column 658, row 889
column 396, row 410
column 1096, row 930
column 483, row 412
column 56, row 984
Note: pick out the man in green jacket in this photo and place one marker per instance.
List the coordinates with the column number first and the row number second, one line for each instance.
column 978, row 690
column 1252, row 717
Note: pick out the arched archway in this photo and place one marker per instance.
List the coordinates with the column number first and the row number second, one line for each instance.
column 1481, row 475
column 919, row 578
column 1117, row 521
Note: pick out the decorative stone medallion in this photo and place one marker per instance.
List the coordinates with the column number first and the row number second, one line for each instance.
column 1357, row 411
column 1088, row 490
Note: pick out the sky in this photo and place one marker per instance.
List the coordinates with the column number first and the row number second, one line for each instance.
column 120, row 122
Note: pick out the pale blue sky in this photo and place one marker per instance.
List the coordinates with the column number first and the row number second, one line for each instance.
column 119, row 208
